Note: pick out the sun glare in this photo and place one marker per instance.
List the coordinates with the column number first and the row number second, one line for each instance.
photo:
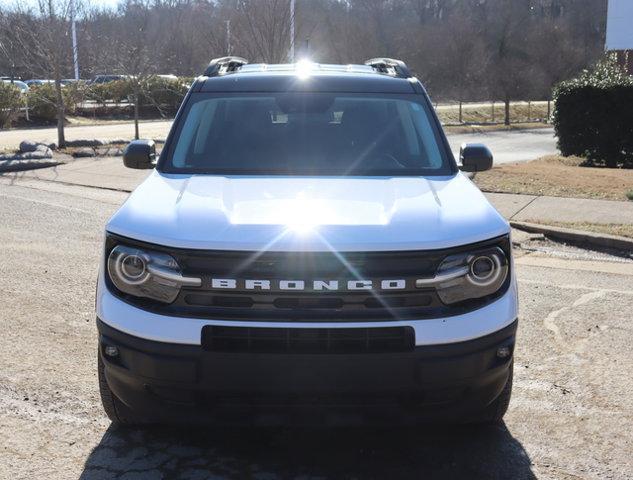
column 304, row 68
column 304, row 215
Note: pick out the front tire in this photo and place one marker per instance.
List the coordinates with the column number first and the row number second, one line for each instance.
column 115, row 409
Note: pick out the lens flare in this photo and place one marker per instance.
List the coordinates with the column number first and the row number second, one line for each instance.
column 304, row 68
column 305, row 214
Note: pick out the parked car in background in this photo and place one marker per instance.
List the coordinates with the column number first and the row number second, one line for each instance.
column 18, row 83
column 69, row 81
column 108, row 78
column 168, row 77
column 36, row 82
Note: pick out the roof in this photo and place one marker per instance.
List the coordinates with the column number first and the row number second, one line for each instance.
column 307, row 76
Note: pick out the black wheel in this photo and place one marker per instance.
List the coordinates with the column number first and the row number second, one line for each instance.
column 117, row 411
column 494, row 412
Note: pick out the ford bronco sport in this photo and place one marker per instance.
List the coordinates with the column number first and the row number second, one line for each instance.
column 306, row 248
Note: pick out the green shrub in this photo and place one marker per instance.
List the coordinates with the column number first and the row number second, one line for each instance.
column 155, row 93
column 120, row 90
column 43, row 100
column 163, row 93
column 74, row 94
column 11, row 101
column 593, row 116
column 98, row 92
column 117, row 91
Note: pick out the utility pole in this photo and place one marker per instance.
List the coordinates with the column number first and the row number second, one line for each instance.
column 228, row 37
column 73, row 30
column 292, row 31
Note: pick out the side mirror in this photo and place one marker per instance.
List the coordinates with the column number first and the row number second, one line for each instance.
column 140, row 154
column 475, row 157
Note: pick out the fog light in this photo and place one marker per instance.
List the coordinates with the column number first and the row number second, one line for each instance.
column 503, row 352
column 111, row 351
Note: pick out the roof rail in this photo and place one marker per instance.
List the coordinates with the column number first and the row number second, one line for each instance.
column 222, row 65
column 390, row 66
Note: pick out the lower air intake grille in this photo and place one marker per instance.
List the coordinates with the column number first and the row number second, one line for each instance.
column 307, row 340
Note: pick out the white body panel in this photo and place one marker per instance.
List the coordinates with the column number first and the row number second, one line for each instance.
column 162, row 328
column 307, row 213
column 619, row 22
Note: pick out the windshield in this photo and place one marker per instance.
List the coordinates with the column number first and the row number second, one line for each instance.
column 307, row 134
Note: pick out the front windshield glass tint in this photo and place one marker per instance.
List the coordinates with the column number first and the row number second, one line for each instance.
column 307, row 134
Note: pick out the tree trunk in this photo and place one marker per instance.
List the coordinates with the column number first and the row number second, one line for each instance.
column 59, row 101
column 57, row 76
column 136, row 97
column 529, row 111
column 507, row 109
column 549, row 111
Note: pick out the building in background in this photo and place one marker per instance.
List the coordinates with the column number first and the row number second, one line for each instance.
column 620, row 31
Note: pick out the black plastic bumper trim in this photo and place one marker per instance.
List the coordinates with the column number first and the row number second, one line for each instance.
column 185, row 383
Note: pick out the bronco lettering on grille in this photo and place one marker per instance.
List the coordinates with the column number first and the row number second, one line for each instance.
column 312, row 285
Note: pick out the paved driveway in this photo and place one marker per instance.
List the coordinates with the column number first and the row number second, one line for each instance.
column 511, row 146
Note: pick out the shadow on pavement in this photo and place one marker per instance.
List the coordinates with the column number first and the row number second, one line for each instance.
column 425, row 452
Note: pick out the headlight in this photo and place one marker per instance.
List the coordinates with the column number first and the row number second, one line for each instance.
column 147, row 274
column 468, row 275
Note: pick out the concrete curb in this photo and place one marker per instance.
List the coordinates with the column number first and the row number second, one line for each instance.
column 601, row 240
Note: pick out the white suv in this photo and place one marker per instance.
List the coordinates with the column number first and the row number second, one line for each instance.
column 306, row 250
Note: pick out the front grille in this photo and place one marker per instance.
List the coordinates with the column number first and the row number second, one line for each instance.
column 297, row 306
column 307, row 340
column 308, row 306
column 322, row 306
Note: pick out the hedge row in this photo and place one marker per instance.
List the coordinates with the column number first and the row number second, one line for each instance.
column 10, row 102
column 157, row 91
column 42, row 100
column 593, row 116
column 155, row 94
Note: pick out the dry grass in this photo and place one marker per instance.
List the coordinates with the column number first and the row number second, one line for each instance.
column 478, row 114
column 558, row 176
column 89, row 121
column 458, row 129
column 620, row 230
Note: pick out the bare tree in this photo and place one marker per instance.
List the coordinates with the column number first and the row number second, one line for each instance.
column 44, row 30
column 264, row 29
column 509, row 57
column 523, row 46
column 139, row 37
column 462, row 60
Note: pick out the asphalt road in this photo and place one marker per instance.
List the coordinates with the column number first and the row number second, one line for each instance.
column 570, row 415
column 507, row 146
column 510, row 146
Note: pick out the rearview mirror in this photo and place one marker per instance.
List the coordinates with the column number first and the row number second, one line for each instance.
column 475, row 157
column 140, row 154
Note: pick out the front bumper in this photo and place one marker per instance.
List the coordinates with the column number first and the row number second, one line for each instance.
column 185, row 383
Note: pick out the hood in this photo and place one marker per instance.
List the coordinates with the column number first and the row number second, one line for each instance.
column 307, row 213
